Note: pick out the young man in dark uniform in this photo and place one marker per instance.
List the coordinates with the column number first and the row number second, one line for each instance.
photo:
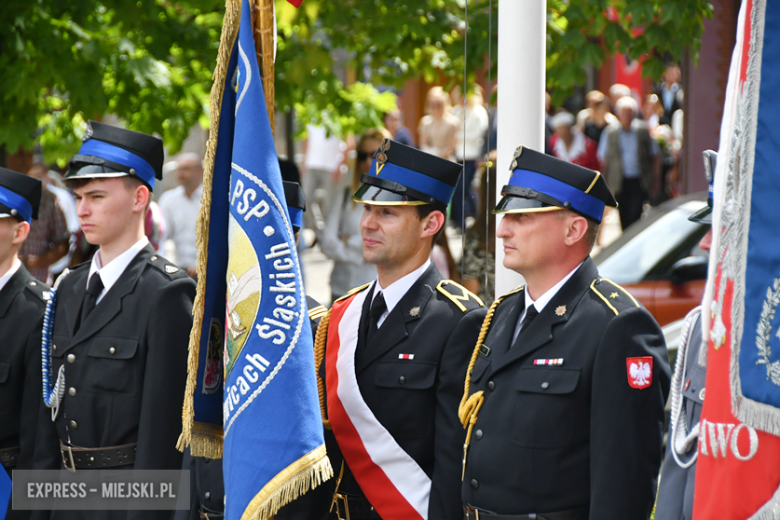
column 122, row 321
column 393, row 351
column 565, row 395
column 678, row 474
column 22, row 304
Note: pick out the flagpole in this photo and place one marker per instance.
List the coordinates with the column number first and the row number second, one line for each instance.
column 263, row 30
column 521, row 72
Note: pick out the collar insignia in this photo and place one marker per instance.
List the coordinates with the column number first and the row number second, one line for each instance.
column 560, row 310
column 414, row 311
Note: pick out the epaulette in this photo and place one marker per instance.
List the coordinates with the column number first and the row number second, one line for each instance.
column 39, row 289
column 164, row 265
column 463, row 294
column 317, row 312
column 352, row 291
column 613, row 295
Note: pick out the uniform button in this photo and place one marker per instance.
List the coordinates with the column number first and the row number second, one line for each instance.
column 207, row 495
column 112, row 350
column 402, row 380
column 71, row 358
column 478, row 434
column 54, row 347
column 72, row 392
column 491, row 385
column 33, row 284
column 74, row 425
column 153, row 259
column 545, row 385
column 474, row 484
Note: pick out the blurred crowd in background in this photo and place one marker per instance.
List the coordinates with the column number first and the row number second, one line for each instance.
column 635, row 144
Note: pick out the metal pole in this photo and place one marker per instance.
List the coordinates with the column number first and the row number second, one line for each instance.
column 522, row 29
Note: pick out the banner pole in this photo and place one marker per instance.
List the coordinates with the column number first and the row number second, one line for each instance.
column 264, row 27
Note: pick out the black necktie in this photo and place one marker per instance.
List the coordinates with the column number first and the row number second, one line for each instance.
column 378, row 308
column 530, row 314
column 94, row 288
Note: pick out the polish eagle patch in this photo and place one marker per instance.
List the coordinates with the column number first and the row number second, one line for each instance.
column 640, row 372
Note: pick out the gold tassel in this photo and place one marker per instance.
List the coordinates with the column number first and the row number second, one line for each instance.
column 305, row 474
column 227, row 39
column 470, row 405
column 319, row 356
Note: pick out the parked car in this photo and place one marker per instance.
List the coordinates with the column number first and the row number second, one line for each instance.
column 658, row 260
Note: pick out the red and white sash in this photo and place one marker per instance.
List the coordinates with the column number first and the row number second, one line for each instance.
column 392, row 481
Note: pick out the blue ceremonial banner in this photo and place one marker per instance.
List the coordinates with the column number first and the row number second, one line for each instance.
column 252, row 394
column 5, row 492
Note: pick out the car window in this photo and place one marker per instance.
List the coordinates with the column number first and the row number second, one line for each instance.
column 634, row 259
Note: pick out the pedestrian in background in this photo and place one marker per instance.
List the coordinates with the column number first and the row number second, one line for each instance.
column 340, row 239
column 473, row 123
column 49, row 237
column 180, row 207
column 438, row 129
column 629, row 161
column 394, row 124
column 571, row 145
column 323, row 157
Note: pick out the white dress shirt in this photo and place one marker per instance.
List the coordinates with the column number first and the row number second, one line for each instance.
column 396, row 290
column 542, row 301
column 12, row 271
column 181, row 214
column 111, row 272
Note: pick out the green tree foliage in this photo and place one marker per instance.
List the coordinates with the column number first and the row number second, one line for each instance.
column 149, row 62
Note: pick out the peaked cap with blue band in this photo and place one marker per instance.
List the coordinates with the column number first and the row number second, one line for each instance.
column 110, row 151
column 541, row 182
column 20, row 195
column 704, row 215
column 404, row 176
column 296, row 203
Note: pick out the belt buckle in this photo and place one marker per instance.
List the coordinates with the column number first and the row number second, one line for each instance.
column 72, row 467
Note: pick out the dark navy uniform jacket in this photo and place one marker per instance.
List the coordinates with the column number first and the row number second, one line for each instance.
column 675, row 490
column 416, row 400
column 552, row 438
column 125, row 367
column 22, row 304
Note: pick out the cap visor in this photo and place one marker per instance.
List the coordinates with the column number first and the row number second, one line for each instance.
column 703, row 216
column 86, row 171
column 368, row 194
column 513, row 204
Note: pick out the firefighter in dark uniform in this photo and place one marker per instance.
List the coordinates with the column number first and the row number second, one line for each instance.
column 22, row 304
column 564, row 403
column 412, row 334
column 207, row 487
column 122, row 321
column 675, row 490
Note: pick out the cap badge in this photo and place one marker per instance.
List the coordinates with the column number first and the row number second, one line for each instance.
column 518, row 153
column 414, row 311
column 381, row 155
column 170, row 269
column 560, row 310
column 87, row 133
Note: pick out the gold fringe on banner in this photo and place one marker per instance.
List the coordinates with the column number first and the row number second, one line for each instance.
column 205, row 440
column 304, row 474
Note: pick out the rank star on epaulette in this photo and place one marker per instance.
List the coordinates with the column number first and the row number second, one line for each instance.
column 613, row 295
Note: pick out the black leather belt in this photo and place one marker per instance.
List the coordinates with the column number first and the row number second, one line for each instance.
column 570, row 514
column 95, row 458
column 9, row 456
column 207, row 515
